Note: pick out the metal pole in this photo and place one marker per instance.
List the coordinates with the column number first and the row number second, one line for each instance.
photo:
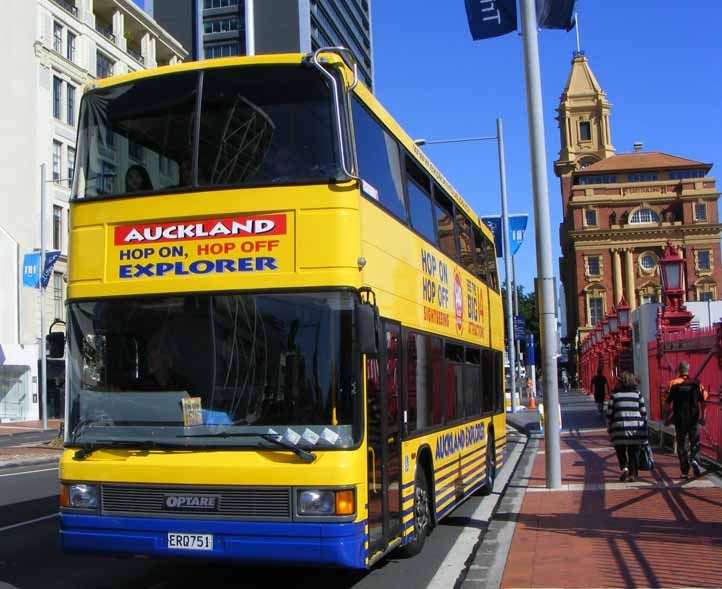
column 507, row 263
column 250, row 28
column 516, row 314
column 576, row 28
column 43, row 360
column 542, row 227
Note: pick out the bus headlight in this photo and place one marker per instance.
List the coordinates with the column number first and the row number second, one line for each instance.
column 326, row 502
column 79, row 496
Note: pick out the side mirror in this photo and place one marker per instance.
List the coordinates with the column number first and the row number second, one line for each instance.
column 55, row 344
column 368, row 326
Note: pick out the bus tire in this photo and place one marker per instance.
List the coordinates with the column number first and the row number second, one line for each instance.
column 488, row 486
column 422, row 515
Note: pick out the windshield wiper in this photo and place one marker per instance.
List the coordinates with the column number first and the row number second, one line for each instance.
column 273, row 438
column 87, row 449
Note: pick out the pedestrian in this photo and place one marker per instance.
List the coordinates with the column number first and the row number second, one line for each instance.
column 627, row 424
column 682, row 376
column 565, row 381
column 686, row 402
column 600, row 386
column 530, row 392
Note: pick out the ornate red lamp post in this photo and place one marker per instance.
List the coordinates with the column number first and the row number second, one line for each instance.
column 625, row 336
column 598, row 351
column 607, row 350
column 614, row 339
column 674, row 316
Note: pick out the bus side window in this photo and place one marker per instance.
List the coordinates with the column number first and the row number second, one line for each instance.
column 466, row 243
column 423, row 382
column 437, row 398
column 454, row 381
column 488, row 376
column 480, row 269
column 445, row 223
column 379, row 161
column 472, row 382
column 499, row 381
column 491, row 264
column 418, row 191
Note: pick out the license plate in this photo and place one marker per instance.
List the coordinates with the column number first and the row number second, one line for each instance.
column 190, row 541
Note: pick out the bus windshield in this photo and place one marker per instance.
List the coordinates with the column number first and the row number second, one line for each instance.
column 180, row 369
column 254, row 125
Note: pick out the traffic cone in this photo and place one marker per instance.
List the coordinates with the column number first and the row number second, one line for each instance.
column 532, row 402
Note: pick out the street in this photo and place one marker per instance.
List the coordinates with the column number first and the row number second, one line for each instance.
column 30, row 555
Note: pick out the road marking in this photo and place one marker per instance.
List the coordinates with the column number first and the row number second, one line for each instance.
column 448, row 571
column 580, row 450
column 29, row 522
column 17, row 474
column 636, row 486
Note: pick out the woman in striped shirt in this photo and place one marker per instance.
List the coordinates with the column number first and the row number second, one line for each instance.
column 627, row 418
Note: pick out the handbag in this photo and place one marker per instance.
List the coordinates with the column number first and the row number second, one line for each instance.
column 646, row 458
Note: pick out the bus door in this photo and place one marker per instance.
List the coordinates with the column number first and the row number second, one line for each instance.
column 383, row 389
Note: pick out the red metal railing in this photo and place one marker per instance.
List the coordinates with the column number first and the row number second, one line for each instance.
column 702, row 349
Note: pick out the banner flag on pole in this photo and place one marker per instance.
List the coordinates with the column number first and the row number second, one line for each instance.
column 494, row 224
column 555, row 14
column 517, row 230
column 491, row 18
column 31, row 268
column 51, row 256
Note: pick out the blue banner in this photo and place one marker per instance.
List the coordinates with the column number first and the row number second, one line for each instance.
column 519, row 327
column 494, row 224
column 530, row 349
column 517, row 230
column 490, row 18
column 31, row 268
column 555, row 14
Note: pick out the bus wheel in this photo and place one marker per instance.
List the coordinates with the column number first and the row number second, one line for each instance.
column 488, row 487
column 422, row 515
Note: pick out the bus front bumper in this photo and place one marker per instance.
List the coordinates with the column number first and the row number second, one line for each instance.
column 320, row 544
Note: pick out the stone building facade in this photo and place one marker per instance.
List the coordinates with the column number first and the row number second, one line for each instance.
column 52, row 49
column 621, row 209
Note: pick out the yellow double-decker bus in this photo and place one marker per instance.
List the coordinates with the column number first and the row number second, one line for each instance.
column 285, row 332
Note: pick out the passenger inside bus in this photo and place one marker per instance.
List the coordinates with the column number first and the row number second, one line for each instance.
column 137, row 179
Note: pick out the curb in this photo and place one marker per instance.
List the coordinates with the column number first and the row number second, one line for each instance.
column 29, row 461
column 488, row 563
column 520, row 426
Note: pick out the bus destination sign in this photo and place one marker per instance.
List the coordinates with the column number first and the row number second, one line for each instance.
column 196, row 247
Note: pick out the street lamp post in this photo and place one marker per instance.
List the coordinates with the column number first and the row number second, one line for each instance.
column 499, row 138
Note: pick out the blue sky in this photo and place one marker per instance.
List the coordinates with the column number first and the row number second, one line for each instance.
column 657, row 60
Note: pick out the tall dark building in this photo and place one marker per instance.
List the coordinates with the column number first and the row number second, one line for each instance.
column 217, row 28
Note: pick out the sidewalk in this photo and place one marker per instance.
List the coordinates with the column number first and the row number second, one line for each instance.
column 595, row 531
column 25, row 443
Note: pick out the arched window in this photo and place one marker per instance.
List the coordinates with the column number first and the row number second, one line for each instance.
column 642, row 216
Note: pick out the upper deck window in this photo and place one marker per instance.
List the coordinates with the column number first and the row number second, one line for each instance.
column 258, row 125
column 379, row 161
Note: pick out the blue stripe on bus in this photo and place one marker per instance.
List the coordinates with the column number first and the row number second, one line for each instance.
column 335, row 544
column 444, row 467
column 446, row 476
column 473, row 471
column 406, row 485
column 445, row 494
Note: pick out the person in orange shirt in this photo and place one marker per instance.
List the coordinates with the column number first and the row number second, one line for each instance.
column 683, row 371
column 686, row 400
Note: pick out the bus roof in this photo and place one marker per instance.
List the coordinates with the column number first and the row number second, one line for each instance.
column 296, row 58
